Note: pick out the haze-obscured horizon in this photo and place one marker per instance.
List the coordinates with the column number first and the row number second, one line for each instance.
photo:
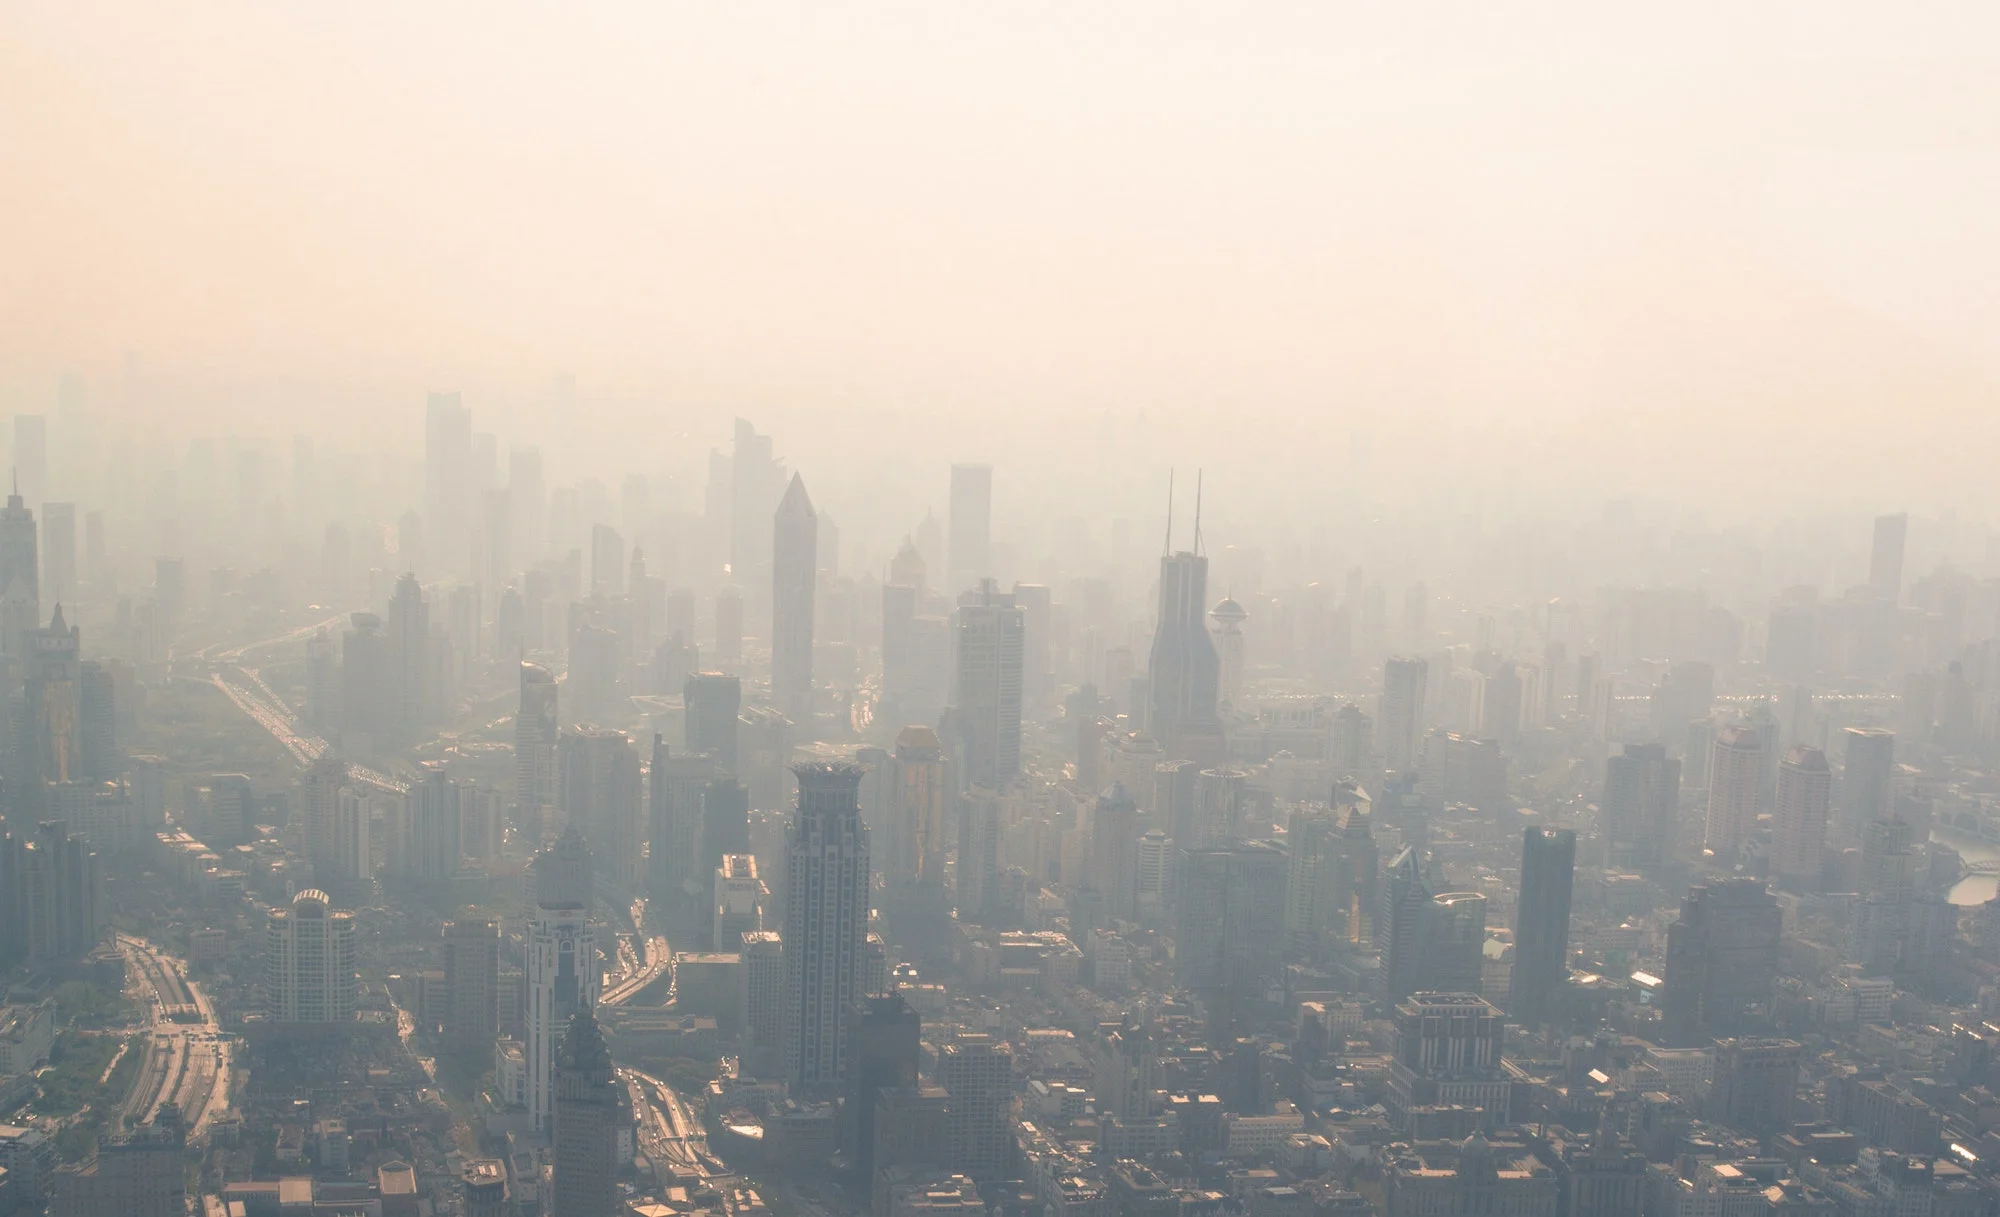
column 1730, row 261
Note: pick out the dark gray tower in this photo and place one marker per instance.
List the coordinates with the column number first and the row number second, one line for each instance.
column 826, row 924
column 1541, row 925
column 20, row 575
column 586, row 1123
column 1184, row 671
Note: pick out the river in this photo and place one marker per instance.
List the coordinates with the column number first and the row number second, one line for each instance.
column 1973, row 889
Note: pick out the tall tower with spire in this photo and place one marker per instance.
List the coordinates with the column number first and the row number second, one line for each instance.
column 1184, row 671
column 586, row 1125
column 794, row 567
column 20, row 575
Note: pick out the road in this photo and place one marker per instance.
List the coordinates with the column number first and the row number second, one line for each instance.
column 186, row 1061
column 243, row 686
column 668, row 1129
column 659, row 959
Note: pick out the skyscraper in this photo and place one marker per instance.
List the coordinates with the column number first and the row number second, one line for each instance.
column 971, row 526
column 754, row 478
column 977, row 1074
column 562, row 972
column 1231, row 928
column 1399, row 927
column 794, row 572
column 1722, row 958
column 826, row 924
column 990, row 634
column 599, row 792
column 674, row 825
column 471, row 987
column 1735, row 779
column 1885, row 560
column 52, row 735
column 1805, row 787
column 59, row 550
column 916, row 848
column 888, row 1047
column 319, row 807
column 1229, row 617
column 53, row 893
column 713, row 702
column 1184, row 674
column 1868, row 768
column 1641, row 811
column 537, row 728
column 1453, row 935
column 409, row 637
column 431, row 842
column 1114, row 846
column 1756, row 1084
column 20, row 576
column 1448, row 1053
column 142, row 1174
column 1404, row 678
column 1541, row 925
column 586, row 1123
column 309, row 972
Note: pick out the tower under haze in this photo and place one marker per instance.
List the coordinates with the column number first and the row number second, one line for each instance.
column 1404, row 678
column 20, row 576
column 1641, row 806
column 1885, row 559
column 586, row 1123
column 562, row 975
column 536, row 732
column 990, row 637
column 1184, row 673
column 1805, row 788
column 971, row 526
column 1735, row 776
column 826, row 924
column 1541, row 925
column 794, row 570
column 1229, row 618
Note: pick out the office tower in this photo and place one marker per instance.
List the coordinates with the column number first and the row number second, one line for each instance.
column 594, row 656
column 98, row 723
column 1183, row 672
column 888, row 1044
column 763, row 998
column 1453, row 938
column 1037, row 628
column 471, row 988
column 794, row 566
column 1399, row 926
column 1500, row 705
column 142, row 1174
column 675, row 796
column 1231, row 934
column 1314, row 917
column 20, row 576
column 1114, row 843
column 713, row 702
column 408, row 631
column 1722, row 957
column 352, row 860
column 430, row 843
column 585, row 1182
column 989, row 689
column 915, row 849
column 482, row 1184
column 1448, row 1054
column 1229, row 618
column 59, row 550
column 51, row 734
column 1404, row 679
column 319, row 806
column 1756, row 1084
column 1805, row 787
column 599, row 789
column 309, row 972
column 754, row 481
column 367, row 687
column 1541, row 926
column 978, row 1076
column 899, row 614
column 1641, row 806
column 1885, row 559
column 1353, row 743
column 562, row 973
column 1735, row 778
column 54, row 893
column 971, row 526
column 740, row 897
column 537, row 731
column 1868, row 768
column 1888, row 887
column 826, row 923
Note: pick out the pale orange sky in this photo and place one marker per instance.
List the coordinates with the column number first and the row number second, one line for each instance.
column 1719, row 243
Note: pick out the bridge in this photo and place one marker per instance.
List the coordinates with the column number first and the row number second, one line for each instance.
column 1983, row 866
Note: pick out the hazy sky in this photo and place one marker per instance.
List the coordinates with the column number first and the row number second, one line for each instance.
column 1727, row 246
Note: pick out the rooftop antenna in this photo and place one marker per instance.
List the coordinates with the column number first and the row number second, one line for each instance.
column 1197, row 511
column 1170, row 514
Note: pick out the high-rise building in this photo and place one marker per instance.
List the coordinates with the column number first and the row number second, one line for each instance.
column 1453, row 935
column 411, row 689
column 971, row 526
column 537, row 728
column 352, row 857
column 1399, row 926
column 1641, row 811
column 1868, row 768
column 1448, row 1054
column 740, row 897
column 1722, row 958
column 599, row 790
column 1541, row 926
column 20, row 575
column 916, row 847
column 989, row 689
column 677, row 786
column 607, row 562
column 59, row 550
column 482, row 1184
column 1404, row 680
column 1231, row 926
column 1885, row 559
column 1735, row 780
column 827, row 887
column 54, row 894
column 471, row 988
column 53, row 731
column 319, row 811
column 978, row 1075
column 1805, row 788
column 1037, row 627
column 713, row 701
column 1231, row 651
column 888, row 1044
column 1183, row 673
column 562, row 969
column 587, row 1105
column 763, row 998
column 755, row 477
column 143, row 1174
column 309, row 972
column 430, row 845
column 1756, row 1084
column 794, row 574
column 1332, row 890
